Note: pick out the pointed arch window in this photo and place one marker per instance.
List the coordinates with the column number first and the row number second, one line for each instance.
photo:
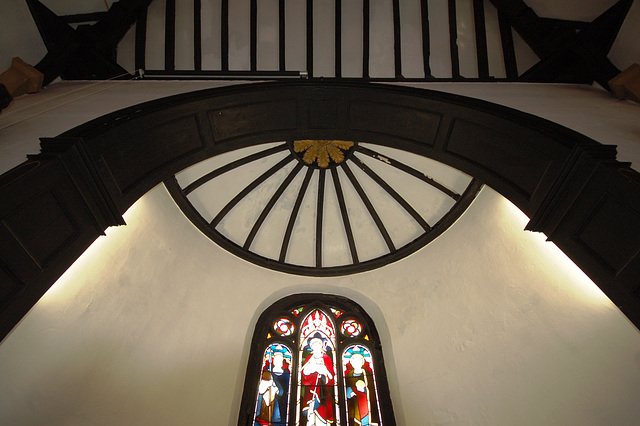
column 316, row 360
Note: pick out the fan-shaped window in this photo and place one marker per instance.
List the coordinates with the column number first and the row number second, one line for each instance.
column 316, row 360
column 322, row 207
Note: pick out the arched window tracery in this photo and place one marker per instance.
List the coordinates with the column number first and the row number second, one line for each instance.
column 315, row 360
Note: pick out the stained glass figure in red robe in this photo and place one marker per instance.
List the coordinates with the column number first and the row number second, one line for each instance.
column 318, row 379
column 317, row 383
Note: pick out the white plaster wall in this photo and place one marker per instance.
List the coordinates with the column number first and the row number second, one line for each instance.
column 487, row 325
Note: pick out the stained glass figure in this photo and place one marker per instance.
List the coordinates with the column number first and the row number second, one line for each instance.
column 272, row 404
column 284, row 327
column 316, row 360
column 336, row 312
column 360, row 387
column 317, row 384
column 351, row 328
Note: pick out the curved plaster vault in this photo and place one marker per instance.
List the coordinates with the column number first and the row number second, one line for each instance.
column 571, row 187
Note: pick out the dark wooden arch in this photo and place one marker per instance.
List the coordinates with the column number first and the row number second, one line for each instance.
column 53, row 206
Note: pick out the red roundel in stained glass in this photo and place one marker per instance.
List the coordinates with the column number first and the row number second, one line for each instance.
column 283, row 327
column 351, row 328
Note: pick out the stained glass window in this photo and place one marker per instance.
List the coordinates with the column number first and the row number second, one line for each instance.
column 336, row 312
column 360, row 386
column 272, row 402
column 317, row 385
column 316, row 361
column 284, row 327
column 351, row 328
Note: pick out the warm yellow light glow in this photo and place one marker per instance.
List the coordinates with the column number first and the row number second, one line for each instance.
column 71, row 281
column 550, row 254
column 539, row 250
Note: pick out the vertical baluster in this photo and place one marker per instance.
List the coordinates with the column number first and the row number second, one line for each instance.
column 282, row 51
column 453, row 40
column 141, row 40
column 253, row 44
column 397, row 45
column 481, row 39
column 338, row 37
column 170, row 35
column 197, row 35
column 365, row 37
column 426, row 41
column 224, row 39
column 310, row 38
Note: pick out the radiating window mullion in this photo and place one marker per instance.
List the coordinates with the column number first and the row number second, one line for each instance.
column 384, row 185
column 345, row 216
column 228, row 167
column 294, row 214
column 410, row 170
column 253, row 185
column 320, row 216
column 272, row 202
column 369, row 206
column 338, row 217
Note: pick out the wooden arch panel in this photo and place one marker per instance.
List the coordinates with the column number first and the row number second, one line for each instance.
column 58, row 202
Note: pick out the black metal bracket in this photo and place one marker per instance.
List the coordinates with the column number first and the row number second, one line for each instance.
column 569, row 51
column 87, row 52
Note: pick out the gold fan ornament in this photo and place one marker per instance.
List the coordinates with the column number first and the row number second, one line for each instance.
column 322, row 151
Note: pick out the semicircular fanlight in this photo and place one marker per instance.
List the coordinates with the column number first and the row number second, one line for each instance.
column 322, row 207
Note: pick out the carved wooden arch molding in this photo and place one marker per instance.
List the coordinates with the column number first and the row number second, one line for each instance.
column 57, row 203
